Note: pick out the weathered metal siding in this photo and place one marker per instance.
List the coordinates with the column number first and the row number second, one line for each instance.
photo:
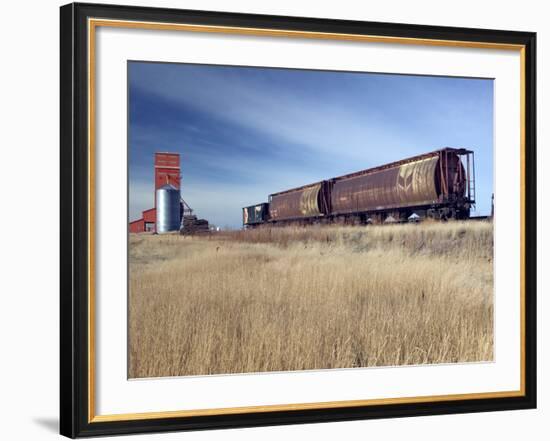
column 408, row 184
column 255, row 214
column 296, row 204
column 455, row 173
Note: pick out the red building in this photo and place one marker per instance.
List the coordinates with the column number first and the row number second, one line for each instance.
column 167, row 171
column 137, row 226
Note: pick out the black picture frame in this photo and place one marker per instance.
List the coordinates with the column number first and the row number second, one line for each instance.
column 74, row 191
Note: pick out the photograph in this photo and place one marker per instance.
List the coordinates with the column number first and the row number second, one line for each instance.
column 295, row 219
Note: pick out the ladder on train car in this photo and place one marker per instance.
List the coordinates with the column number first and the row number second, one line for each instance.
column 471, row 177
column 472, row 182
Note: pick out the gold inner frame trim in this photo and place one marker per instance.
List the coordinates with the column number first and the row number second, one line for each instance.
column 92, row 25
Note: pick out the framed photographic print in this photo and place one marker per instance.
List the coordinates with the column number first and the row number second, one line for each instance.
column 274, row 220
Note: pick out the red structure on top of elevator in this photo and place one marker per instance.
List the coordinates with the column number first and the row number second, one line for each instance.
column 167, row 171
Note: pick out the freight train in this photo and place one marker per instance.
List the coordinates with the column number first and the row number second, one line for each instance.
column 437, row 185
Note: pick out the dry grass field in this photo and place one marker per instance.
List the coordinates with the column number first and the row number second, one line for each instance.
column 310, row 298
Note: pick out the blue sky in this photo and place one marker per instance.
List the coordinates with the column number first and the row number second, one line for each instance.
column 245, row 132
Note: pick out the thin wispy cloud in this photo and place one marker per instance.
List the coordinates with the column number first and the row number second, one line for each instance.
column 246, row 132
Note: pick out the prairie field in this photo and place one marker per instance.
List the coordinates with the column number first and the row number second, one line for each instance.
column 310, row 298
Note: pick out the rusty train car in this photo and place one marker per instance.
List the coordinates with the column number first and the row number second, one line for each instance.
column 438, row 185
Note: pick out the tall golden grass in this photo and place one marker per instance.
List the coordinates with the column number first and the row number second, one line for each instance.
column 310, row 298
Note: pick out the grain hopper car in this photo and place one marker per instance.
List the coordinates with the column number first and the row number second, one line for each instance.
column 438, row 185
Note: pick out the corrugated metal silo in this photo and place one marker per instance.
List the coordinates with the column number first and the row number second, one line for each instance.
column 168, row 209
